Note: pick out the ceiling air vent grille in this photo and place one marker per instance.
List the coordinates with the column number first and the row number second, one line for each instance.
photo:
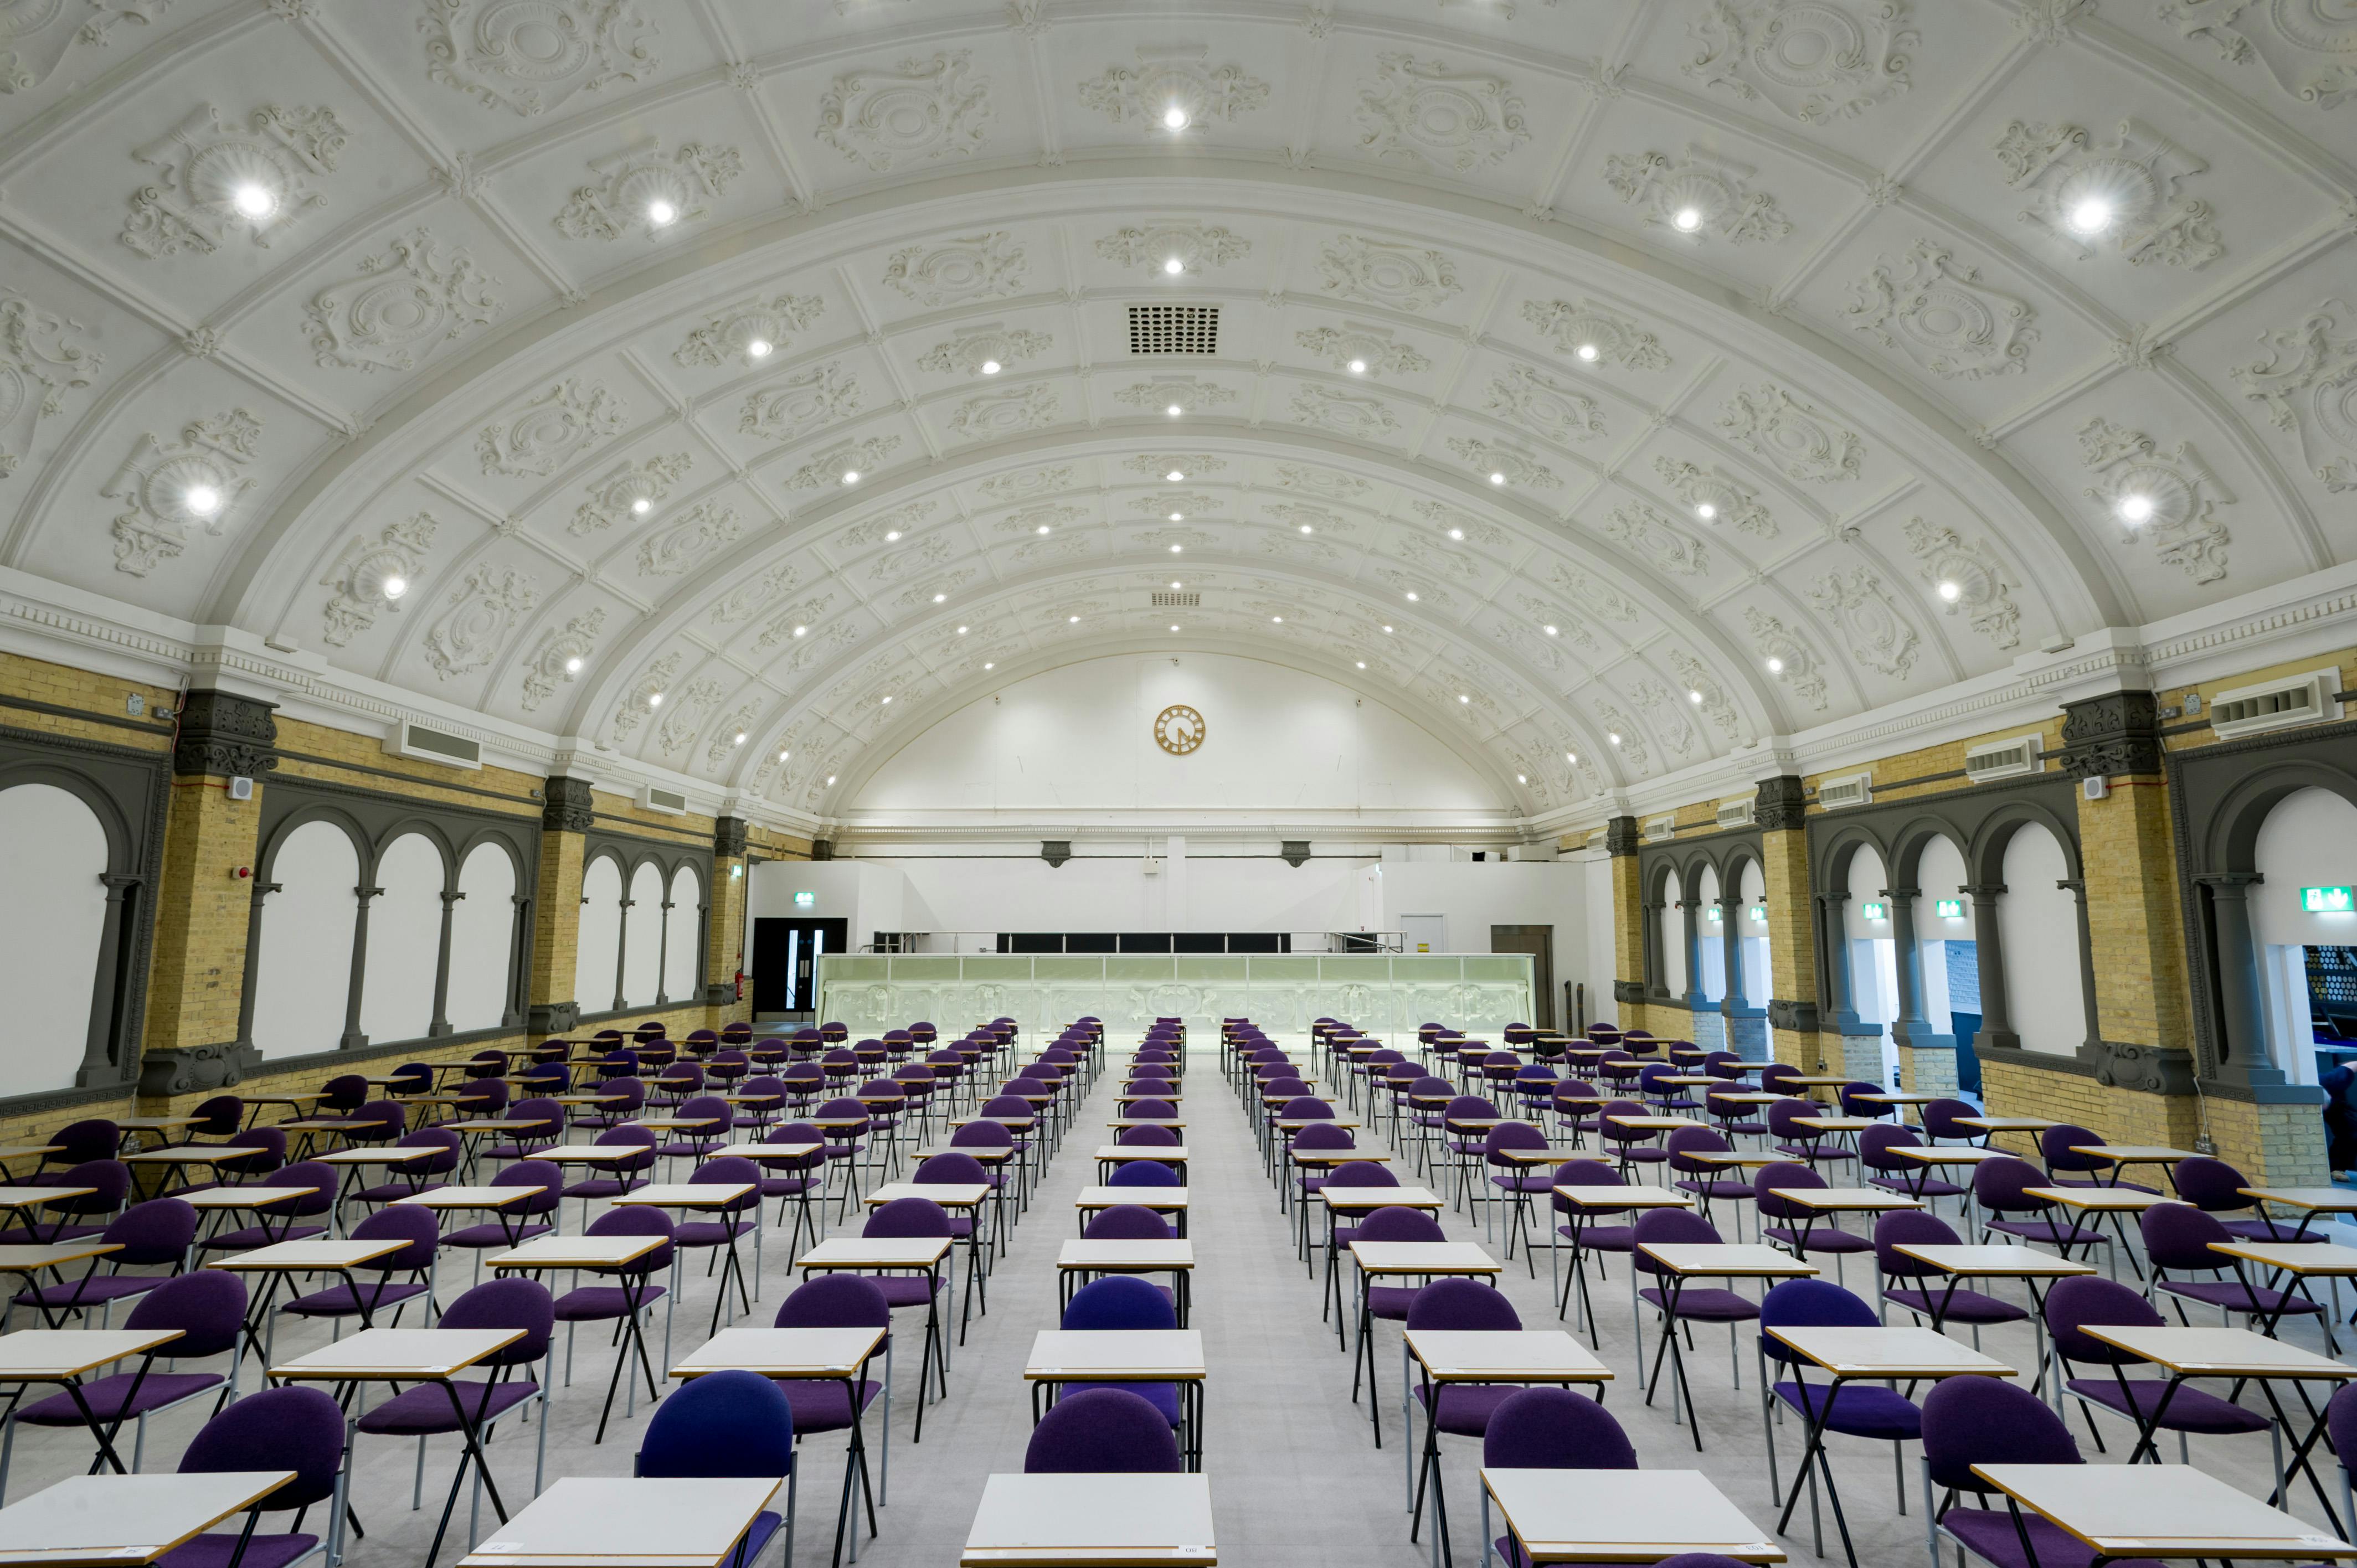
column 1735, row 813
column 1174, row 328
column 420, row 744
column 1659, row 828
column 1166, row 600
column 667, row 800
column 2293, row 699
column 2005, row 758
column 1854, row 789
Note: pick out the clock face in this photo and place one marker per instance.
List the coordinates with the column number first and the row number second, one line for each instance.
column 1179, row 729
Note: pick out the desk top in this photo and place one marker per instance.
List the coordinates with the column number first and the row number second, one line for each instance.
column 1623, row 1516
column 1729, row 1260
column 22, row 1259
column 1894, row 1352
column 2214, row 1352
column 1136, row 1355
column 2007, row 1124
column 607, row 1521
column 89, row 1520
column 2323, row 1199
column 1353, row 1199
column 467, row 1198
column 386, row 1155
column 576, row 1251
column 1116, row 1521
column 2159, row 1510
column 2098, row 1199
column 1472, row 1356
column 765, row 1150
column 1423, row 1258
column 1745, row 1096
column 686, row 1194
column 1610, row 1197
column 256, row 1197
column 1846, row 1199
column 1143, row 1196
column 948, row 1194
column 1837, row 1123
column 1081, row 1253
column 2293, row 1257
column 590, row 1154
column 190, row 1154
column 1947, row 1154
column 1992, row 1261
column 54, row 1355
column 32, row 1196
column 320, row 1252
column 1899, row 1097
column 402, row 1355
column 782, row 1352
column 1174, row 1152
column 1735, row 1156
column 875, row 1252
column 2136, row 1154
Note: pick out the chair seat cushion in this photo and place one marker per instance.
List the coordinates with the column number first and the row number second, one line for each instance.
column 1715, row 1186
column 1909, row 1186
column 1523, row 1184
column 824, row 1406
column 1708, row 1304
column 90, row 1292
column 105, row 1395
column 1857, row 1409
column 1823, row 1239
column 1603, row 1237
column 426, row 1409
column 1991, row 1535
column 248, row 1236
column 1817, row 1154
column 2266, row 1229
column 337, row 1301
column 1391, row 1302
column 2053, row 1232
column 605, row 1186
column 220, row 1551
column 596, row 1303
column 2189, row 1409
column 905, row 1290
column 490, row 1234
column 709, row 1232
column 1965, row 1306
column 1466, row 1409
column 1163, row 1397
column 787, row 1187
column 1747, row 1129
column 2236, row 1297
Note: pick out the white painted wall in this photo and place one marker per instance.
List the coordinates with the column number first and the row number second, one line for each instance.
column 681, row 982
column 1759, row 968
column 643, row 937
column 2309, row 840
column 2038, row 924
column 1597, row 959
column 1670, row 922
column 304, row 974
column 404, row 942
column 1710, row 936
column 52, row 854
column 601, row 935
column 1940, row 873
column 1873, row 956
column 482, row 929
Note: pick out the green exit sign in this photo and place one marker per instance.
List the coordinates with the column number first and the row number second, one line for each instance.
column 804, row 900
column 1715, row 915
column 1949, row 909
column 1760, row 914
column 2326, row 900
column 1874, row 911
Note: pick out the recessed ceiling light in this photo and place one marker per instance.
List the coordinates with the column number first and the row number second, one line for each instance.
column 1694, row 697
column 1358, row 367
column 1363, row 664
column 1387, row 630
column 2136, row 509
column 887, row 702
column 201, row 499
column 940, row 598
column 759, row 349
column 1175, row 586
column 1951, row 592
column 1706, row 512
column 396, row 587
column 830, row 778
column 1278, row 620
column 961, row 631
column 654, row 698
column 1456, row 533
column 254, row 200
column 1687, row 219
column 1177, row 550
column 1174, row 476
column 990, row 366
column 662, row 213
column 1174, row 625
column 1462, row 697
column 801, row 630
column 1074, row 620
column 1043, row 528
column 741, row 737
column 851, row 476
column 1174, row 266
column 990, row 666
column 1572, row 757
column 1587, row 351
column 1174, row 118
column 1775, row 666
column 1411, row 596
column 783, row 755
column 572, row 666
column 1549, row 630
column 1614, row 737
column 1174, row 411
column 1497, row 478
column 1308, row 528
column 640, row 506
column 2091, row 215
column 892, row 536
column 1522, row 777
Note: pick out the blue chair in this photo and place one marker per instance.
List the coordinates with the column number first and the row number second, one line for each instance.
column 1851, row 1410
column 727, row 1424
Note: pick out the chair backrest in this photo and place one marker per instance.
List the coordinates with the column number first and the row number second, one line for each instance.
column 1324, row 1136
column 1301, row 1107
column 1912, row 1228
column 1362, row 1173
column 1554, row 1429
column 2056, row 1146
column 217, row 1117
column 711, row 1105
column 1668, row 1227
column 908, row 1217
column 1808, row 1303
column 952, row 1168
column 1686, row 1141
column 344, row 1094
column 1588, row 1172
column 1784, row 1120
column 2210, row 1183
column 1119, row 1301
column 1512, row 1135
column 111, row 1179
column 415, row 1226
column 983, row 1135
column 1100, row 1431
column 1768, row 1178
column 1470, row 1105
column 1163, row 1137
column 541, row 1174
column 512, row 1303
column 1940, row 1119
column 1163, row 1110
column 635, row 1220
column 1446, row 1304
column 206, row 1308
column 2075, row 1303
column 1144, row 1173
column 1875, row 1143
column 316, row 1175
column 1776, row 1078
column 732, row 1422
column 78, row 1143
column 1997, row 1185
column 2177, row 1236
column 1988, row 1421
column 726, row 1171
column 1128, row 1222
column 440, row 1138
column 157, row 1231
column 1400, row 1225
column 299, row 1429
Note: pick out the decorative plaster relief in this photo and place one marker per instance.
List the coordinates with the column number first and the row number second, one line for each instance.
column 1371, row 348
column 1812, row 60
column 1616, row 339
column 1185, row 502
column 1185, row 393
column 1195, row 246
column 684, row 715
column 1697, row 195
column 616, row 496
column 42, row 358
column 1351, row 416
column 1029, row 482
column 1627, row 741
column 730, row 334
column 1424, row 555
column 1942, row 315
column 916, row 556
column 1459, row 524
column 1715, row 704
column 1789, row 661
column 1647, row 533
column 1670, row 721
column 481, row 611
column 1171, row 78
column 687, row 542
column 529, row 56
column 1982, row 592
column 544, row 433
column 1729, row 499
column 2309, row 385
column 634, row 707
column 2136, row 178
column 919, row 111
column 1595, row 598
column 1487, row 458
column 781, row 627
column 1421, row 114
column 726, row 733
column 1880, row 637
column 35, row 34
column 1408, row 278
column 752, row 599
column 629, row 183
column 204, row 168
column 1802, row 441
column 1040, row 517
column 159, row 481
column 862, row 456
column 1323, row 482
column 887, row 526
column 810, row 400
column 1541, row 614
column 357, row 581
column 399, row 305
column 977, row 266
column 1298, row 516
column 1154, row 465
column 1009, row 411
column 2310, row 47
column 1055, row 547
column 1544, row 405
column 969, row 349
column 2182, row 491
column 556, row 655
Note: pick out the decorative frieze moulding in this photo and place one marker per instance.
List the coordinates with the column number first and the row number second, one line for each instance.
column 811, row 400
column 1715, row 496
column 1854, row 602
column 688, row 543
column 1781, row 805
column 2117, row 732
column 629, row 492
column 1355, row 416
column 1009, row 411
column 1544, row 405
column 2310, row 49
column 983, row 349
column 569, row 806
column 1660, row 543
column 1793, row 662
column 1697, row 195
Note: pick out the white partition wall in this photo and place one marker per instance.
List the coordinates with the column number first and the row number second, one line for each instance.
column 482, row 936
column 642, row 938
column 404, row 941
column 52, row 924
column 601, row 935
column 2039, row 923
column 303, row 977
column 683, row 925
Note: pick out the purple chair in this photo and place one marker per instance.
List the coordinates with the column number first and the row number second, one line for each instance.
column 2075, row 1304
column 1461, row 1409
column 1998, row 1188
column 208, row 1308
column 1576, row 1103
column 1704, row 1179
column 1807, row 1144
column 1987, row 1421
column 414, row 1227
column 843, row 1144
column 110, row 1180
column 727, row 1424
column 155, row 1234
column 1550, row 1429
column 1123, row 1302
column 795, row 1182
column 623, row 1304
column 378, row 1122
column 1387, row 1302
column 1803, row 1231
column 278, row 1223
column 1678, row 1303
column 1914, row 1228
column 915, row 1217
column 1942, row 1123
column 77, row 1143
column 2058, row 1147
column 299, row 1429
column 2177, row 1235
column 1586, row 1236
column 842, row 1300
column 1514, row 1181
column 620, row 1177
column 1127, row 1222
column 1864, row 1410
column 1630, row 1145
column 519, row 1221
column 427, row 1410
column 2216, row 1187
column 696, row 1142
column 417, row 1176
column 1103, row 1431
column 729, row 1220
column 1895, row 1172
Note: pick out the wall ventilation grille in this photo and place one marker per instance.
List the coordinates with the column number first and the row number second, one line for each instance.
column 1660, row 829
column 420, row 744
column 1735, row 813
column 2293, row 700
column 1166, row 600
column 666, row 801
column 1174, row 328
column 2005, row 758
column 1856, row 789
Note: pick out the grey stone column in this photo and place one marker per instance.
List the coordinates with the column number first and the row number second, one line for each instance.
column 1910, row 1026
column 662, row 953
column 96, row 1068
column 1833, row 940
column 518, row 1002
column 2245, row 1059
column 2094, row 1023
column 622, row 947
column 1691, row 936
column 1730, row 938
column 1657, row 963
column 441, row 1024
column 353, row 1039
column 1997, row 1010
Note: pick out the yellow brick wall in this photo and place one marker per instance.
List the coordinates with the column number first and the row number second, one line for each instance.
column 203, row 911
column 2013, row 1084
column 1891, row 772
column 39, row 681
column 506, row 791
column 1628, row 938
column 556, row 918
column 2174, row 696
column 2136, row 929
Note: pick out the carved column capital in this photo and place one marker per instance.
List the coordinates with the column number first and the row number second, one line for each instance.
column 1782, row 804
column 1621, row 836
column 728, row 836
column 567, row 808
column 2117, row 732
column 225, row 737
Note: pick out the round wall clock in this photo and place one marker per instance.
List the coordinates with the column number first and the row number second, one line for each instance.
column 1179, row 729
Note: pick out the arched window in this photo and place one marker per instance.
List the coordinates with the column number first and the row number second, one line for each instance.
column 1758, row 973
column 601, row 936
column 404, row 942
column 1710, row 944
column 2309, row 840
column 482, row 935
column 682, row 926
column 2039, row 926
column 643, row 937
column 303, row 979
column 52, row 929
column 1673, row 937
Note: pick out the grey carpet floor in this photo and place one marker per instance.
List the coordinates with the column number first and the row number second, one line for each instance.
column 1295, row 1477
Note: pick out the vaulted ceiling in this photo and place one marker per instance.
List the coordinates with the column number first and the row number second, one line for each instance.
column 1617, row 380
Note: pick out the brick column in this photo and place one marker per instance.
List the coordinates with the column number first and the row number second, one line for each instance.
column 1620, row 841
column 1781, row 810
column 556, row 914
column 725, row 942
column 203, row 908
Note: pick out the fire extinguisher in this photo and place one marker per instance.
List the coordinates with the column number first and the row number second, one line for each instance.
column 740, row 985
